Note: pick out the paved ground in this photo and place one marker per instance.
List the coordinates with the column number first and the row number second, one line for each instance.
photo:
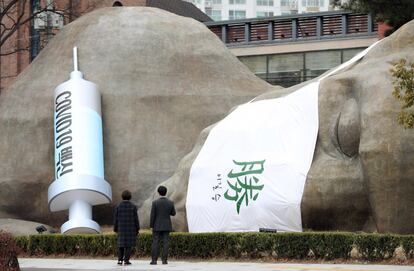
column 95, row 265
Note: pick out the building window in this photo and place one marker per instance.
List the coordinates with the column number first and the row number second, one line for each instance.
column 195, row 2
column 347, row 54
column 319, row 62
column 237, row 2
column 313, row 3
column 268, row 3
column 289, row 12
column 285, row 69
column 214, row 14
column 237, row 14
column 290, row 69
column 264, row 14
column 256, row 64
column 208, row 3
column 285, row 3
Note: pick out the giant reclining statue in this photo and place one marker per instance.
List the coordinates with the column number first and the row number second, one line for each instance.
column 163, row 78
column 361, row 177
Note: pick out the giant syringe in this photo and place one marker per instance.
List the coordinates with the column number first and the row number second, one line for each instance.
column 79, row 165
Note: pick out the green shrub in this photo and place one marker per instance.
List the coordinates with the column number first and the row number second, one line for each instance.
column 377, row 246
column 48, row 244
column 307, row 245
column 143, row 247
column 331, row 245
column 8, row 252
column 408, row 245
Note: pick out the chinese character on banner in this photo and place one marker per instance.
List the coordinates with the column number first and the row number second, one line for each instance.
column 244, row 183
column 216, row 189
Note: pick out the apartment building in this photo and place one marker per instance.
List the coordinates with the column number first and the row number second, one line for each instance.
column 220, row 10
column 290, row 49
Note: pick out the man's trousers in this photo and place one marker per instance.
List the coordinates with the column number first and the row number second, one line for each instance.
column 158, row 236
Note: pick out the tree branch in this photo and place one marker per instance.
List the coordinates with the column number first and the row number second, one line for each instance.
column 10, row 18
column 15, row 11
column 14, row 51
column 15, row 26
column 6, row 10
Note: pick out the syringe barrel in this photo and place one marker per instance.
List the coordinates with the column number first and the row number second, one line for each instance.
column 79, row 162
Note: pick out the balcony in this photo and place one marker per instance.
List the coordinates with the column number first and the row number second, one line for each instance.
column 294, row 28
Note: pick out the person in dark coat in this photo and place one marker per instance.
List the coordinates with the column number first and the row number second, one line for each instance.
column 126, row 224
column 160, row 221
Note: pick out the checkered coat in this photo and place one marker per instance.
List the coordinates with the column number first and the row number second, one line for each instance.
column 126, row 223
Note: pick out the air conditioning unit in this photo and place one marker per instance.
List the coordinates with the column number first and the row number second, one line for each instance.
column 40, row 21
column 56, row 20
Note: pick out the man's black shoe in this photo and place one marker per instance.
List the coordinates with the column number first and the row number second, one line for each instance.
column 153, row 263
column 119, row 262
column 127, row 263
column 164, row 262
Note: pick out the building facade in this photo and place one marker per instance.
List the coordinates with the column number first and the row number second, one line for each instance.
column 287, row 50
column 27, row 26
column 220, row 10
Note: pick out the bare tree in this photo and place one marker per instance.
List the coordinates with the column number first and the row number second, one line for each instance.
column 16, row 15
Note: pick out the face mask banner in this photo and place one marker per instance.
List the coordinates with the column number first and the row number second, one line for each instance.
column 252, row 169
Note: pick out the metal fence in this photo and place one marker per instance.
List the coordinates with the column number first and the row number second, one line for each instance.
column 310, row 26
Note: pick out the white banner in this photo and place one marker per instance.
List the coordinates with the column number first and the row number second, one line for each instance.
column 252, row 169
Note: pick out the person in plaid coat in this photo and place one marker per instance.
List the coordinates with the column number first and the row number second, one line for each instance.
column 126, row 224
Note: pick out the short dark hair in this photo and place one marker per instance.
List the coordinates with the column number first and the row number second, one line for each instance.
column 162, row 190
column 126, row 195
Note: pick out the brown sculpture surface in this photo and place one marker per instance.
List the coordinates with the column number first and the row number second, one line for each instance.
column 162, row 77
column 362, row 174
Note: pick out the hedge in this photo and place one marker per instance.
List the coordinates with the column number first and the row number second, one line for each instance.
column 307, row 245
column 8, row 252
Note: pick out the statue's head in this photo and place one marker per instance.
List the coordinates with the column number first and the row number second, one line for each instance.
column 362, row 174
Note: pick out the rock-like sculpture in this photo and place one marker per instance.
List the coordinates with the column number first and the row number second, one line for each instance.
column 163, row 78
column 362, row 175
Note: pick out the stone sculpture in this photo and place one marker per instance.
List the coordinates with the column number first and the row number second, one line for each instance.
column 163, row 78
